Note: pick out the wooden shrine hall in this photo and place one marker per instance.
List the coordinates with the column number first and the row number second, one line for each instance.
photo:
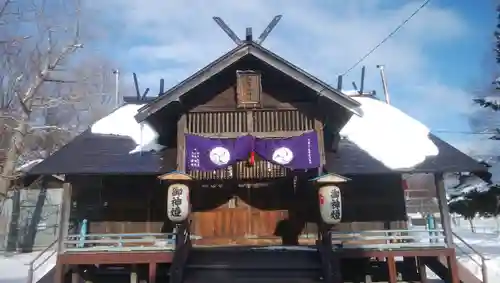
column 251, row 170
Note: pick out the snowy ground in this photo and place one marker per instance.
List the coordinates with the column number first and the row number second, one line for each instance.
column 14, row 268
column 486, row 241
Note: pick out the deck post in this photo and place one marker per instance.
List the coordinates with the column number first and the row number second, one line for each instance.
column 152, row 272
column 443, row 209
column 391, row 264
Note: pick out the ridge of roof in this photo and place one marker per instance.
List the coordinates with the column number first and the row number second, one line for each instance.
column 234, row 55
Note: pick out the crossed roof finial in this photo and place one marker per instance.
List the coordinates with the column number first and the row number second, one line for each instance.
column 248, row 38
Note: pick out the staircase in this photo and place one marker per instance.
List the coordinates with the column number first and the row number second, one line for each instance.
column 244, row 264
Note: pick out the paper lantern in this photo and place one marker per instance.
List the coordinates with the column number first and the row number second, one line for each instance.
column 330, row 204
column 178, row 202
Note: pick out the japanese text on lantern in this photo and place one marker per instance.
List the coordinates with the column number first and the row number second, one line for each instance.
column 176, row 202
column 335, row 204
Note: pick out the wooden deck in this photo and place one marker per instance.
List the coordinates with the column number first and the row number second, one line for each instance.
column 385, row 248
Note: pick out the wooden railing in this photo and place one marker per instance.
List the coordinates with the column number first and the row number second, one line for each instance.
column 119, row 242
column 388, row 239
column 481, row 263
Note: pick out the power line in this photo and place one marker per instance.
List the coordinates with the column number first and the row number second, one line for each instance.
column 389, row 36
column 461, row 132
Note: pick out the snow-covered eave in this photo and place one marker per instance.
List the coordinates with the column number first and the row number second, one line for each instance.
column 122, row 122
column 389, row 135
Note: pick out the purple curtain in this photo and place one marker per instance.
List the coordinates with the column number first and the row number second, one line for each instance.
column 300, row 152
column 208, row 154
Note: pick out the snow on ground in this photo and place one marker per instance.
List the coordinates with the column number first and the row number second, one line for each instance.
column 121, row 122
column 486, row 241
column 389, row 135
column 488, row 244
column 14, row 269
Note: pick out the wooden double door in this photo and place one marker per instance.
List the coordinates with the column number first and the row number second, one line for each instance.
column 253, row 216
column 241, row 216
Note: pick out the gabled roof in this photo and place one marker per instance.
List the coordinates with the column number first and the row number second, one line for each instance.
column 91, row 153
column 349, row 159
column 247, row 49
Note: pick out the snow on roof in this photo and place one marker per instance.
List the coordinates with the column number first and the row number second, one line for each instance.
column 350, row 92
column 389, row 135
column 469, row 184
column 121, row 122
column 28, row 165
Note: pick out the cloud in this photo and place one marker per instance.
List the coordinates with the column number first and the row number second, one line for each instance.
column 172, row 39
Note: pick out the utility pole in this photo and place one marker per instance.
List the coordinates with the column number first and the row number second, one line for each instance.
column 384, row 83
column 116, row 72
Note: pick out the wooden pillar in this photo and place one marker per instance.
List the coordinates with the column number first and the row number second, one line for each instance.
column 422, row 270
column 64, row 217
column 152, row 272
column 181, row 143
column 391, row 265
column 443, row 209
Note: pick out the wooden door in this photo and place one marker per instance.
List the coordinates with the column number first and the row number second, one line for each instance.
column 236, row 222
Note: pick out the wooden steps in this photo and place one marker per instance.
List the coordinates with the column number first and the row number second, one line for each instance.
column 236, row 264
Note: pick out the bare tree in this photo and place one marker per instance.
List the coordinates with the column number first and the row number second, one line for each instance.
column 37, row 50
column 92, row 98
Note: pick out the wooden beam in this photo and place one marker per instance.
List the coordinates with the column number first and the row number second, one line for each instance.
column 230, row 135
column 277, row 106
column 116, row 257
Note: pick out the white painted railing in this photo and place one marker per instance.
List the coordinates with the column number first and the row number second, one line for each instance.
column 389, row 239
column 119, row 242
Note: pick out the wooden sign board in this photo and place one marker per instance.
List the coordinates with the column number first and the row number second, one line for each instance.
column 248, row 88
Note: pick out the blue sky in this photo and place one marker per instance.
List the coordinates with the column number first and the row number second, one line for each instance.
column 434, row 65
